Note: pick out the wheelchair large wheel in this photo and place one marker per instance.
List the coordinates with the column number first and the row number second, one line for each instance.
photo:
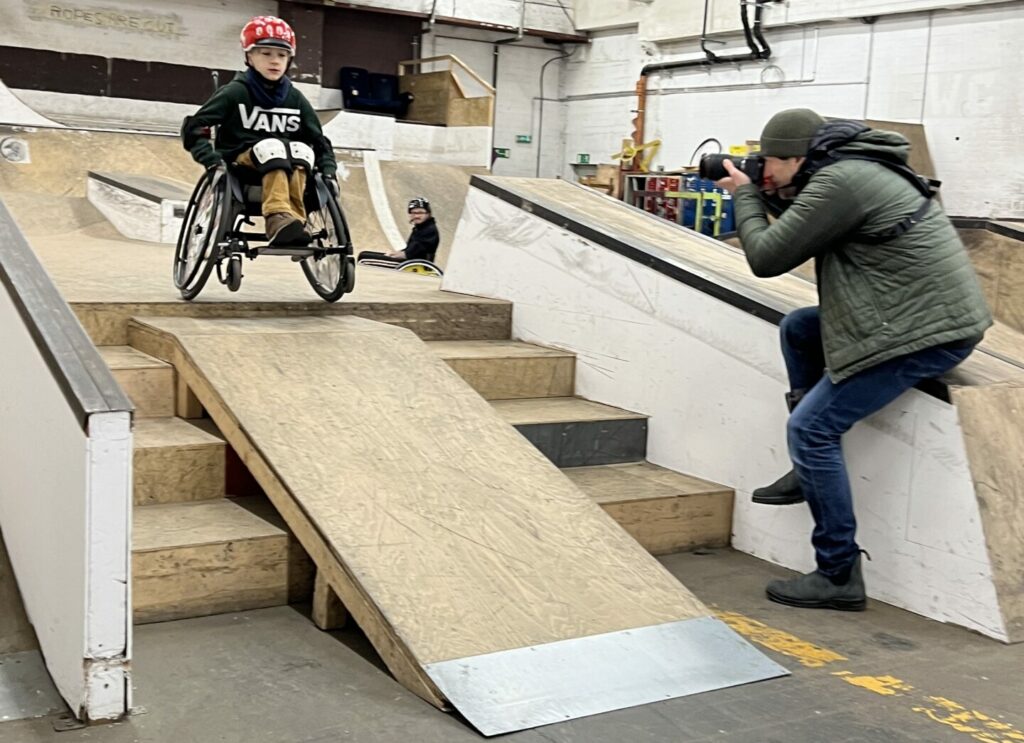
column 334, row 274
column 196, row 252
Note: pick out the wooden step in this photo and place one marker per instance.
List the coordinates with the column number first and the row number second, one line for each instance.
column 507, row 370
column 663, row 510
column 572, row 432
column 148, row 382
column 211, row 557
column 176, row 462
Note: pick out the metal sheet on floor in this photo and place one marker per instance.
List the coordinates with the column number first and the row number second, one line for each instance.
column 528, row 687
column 26, row 689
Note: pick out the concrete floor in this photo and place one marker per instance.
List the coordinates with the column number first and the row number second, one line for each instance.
column 881, row 676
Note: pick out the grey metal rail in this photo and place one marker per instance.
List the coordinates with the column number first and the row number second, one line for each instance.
column 77, row 367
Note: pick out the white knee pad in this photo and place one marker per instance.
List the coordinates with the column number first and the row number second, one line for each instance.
column 271, row 154
column 302, row 155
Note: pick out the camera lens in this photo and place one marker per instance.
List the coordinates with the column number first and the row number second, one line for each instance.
column 712, row 167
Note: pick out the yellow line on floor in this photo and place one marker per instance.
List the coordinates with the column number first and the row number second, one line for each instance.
column 979, row 726
column 884, row 685
column 807, row 654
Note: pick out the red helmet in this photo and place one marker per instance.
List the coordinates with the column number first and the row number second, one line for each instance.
column 268, row 30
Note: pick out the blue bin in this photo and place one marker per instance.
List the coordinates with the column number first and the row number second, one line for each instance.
column 707, row 225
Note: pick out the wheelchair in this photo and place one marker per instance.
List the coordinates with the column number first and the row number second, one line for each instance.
column 213, row 235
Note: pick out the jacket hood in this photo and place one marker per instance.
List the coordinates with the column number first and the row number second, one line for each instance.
column 879, row 143
column 856, row 138
column 834, row 139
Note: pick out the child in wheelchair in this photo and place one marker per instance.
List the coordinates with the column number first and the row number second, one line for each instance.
column 421, row 245
column 267, row 128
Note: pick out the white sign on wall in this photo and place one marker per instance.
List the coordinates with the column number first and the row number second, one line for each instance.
column 201, row 33
column 167, row 25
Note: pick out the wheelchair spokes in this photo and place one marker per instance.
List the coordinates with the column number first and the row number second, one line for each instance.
column 200, row 234
column 331, row 269
column 194, row 255
column 326, row 270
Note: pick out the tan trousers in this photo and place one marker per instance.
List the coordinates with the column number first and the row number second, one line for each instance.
column 282, row 193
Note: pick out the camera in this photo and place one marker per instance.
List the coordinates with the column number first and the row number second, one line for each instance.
column 712, row 167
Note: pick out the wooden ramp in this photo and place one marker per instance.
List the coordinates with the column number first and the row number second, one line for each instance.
column 483, row 576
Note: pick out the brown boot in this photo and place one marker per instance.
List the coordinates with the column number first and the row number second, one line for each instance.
column 283, row 229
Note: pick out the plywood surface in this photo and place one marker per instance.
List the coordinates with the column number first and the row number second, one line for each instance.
column 360, row 215
column 471, row 111
column 126, row 357
column 174, row 461
column 148, row 382
column 665, row 511
column 193, row 559
column 91, row 263
column 999, row 261
column 558, row 410
column 618, row 483
column 920, row 156
column 496, row 349
column 461, row 535
column 994, row 438
column 169, row 525
column 505, row 370
column 158, row 433
column 16, row 634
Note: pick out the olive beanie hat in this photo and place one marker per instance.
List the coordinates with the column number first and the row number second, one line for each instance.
column 788, row 133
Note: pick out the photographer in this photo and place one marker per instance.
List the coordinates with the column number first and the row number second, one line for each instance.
column 899, row 302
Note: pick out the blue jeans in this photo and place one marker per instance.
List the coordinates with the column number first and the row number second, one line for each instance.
column 827, row 411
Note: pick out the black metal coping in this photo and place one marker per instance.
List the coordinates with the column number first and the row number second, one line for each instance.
column 747, row 299
column 145, row 187
column 76, row 365
column 1013, row 230
column 647, row 255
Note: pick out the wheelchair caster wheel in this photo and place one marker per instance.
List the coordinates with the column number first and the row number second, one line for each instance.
column 234, row 273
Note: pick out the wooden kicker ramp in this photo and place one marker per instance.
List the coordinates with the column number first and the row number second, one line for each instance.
column 484, row 578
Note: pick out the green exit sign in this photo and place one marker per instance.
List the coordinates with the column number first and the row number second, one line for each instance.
column 583, row 158
column 523, row 139
column 501, row 152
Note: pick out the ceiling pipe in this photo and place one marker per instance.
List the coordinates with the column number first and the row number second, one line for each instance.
column 753, row 36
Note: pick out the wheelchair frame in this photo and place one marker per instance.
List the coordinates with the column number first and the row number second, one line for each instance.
column 413, row 265
column 212, row 237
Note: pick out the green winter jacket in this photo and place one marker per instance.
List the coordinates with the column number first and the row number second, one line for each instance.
column 876, row 301
column 241, row 124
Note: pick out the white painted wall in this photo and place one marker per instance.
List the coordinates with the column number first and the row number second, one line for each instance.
column 543, row 15
column 670, row 20
column 195, row 32
column 204, row 33
column 956, row 72
column 398, row 140
column 64, row 511
column 103, row 111
column 517, row 104
column 712, row 381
